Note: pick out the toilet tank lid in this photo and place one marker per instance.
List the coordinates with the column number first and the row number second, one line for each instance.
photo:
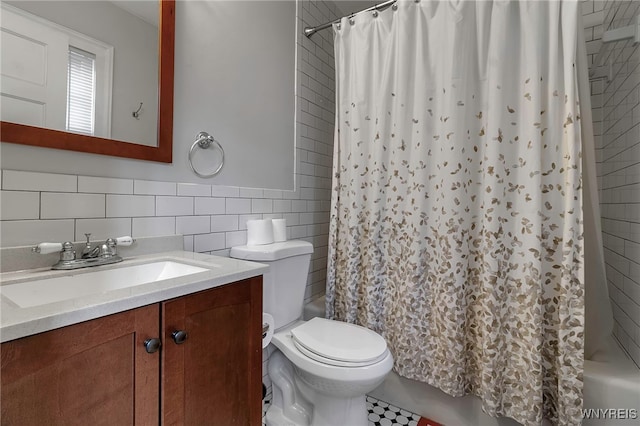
column 271, row 252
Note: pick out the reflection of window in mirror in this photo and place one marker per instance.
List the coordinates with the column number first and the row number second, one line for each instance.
column 81, row 91
column 53, row 76
column 89, row 82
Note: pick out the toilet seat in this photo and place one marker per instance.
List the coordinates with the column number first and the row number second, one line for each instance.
column 338, row 343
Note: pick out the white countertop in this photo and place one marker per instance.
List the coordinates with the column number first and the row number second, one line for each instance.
column 17, row 322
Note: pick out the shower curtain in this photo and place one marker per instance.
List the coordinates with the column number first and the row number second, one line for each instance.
column 456, row 219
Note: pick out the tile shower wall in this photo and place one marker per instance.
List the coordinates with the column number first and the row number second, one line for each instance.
column 615, row 74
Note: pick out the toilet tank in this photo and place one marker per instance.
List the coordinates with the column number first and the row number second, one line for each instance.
column 284, row 285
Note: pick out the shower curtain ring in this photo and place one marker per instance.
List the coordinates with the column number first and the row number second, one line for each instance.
column 352, row 21
column 394, row 7
column 375, row 13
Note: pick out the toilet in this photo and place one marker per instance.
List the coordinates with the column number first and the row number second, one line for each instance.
column 320, row 369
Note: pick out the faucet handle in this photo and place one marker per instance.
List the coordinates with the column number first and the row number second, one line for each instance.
column 68, row 251
column 46, row 248
column 125, row 241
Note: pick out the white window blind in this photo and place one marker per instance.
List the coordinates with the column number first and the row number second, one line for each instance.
column 81, row 95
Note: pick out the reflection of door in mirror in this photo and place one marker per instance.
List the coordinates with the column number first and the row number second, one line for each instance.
column 82, row 70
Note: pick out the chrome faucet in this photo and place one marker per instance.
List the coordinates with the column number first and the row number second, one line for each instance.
column 102, row 254
column 106, row 249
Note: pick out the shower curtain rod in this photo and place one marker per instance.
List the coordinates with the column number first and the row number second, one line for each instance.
column 309, row 31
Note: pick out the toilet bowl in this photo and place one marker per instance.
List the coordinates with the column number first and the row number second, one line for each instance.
column 321, row 382
column 320, row 369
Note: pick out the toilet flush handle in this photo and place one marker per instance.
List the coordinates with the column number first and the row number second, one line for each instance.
column 179, row 336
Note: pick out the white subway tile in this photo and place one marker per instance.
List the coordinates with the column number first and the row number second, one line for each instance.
column 306, row 169
column 298, row 231
column 210, row 206
column 273, row 193
column 209, row 242
column 17, row 205
column 236, row 238
column 193, row 225
column 632, row 251
column 299, row 206
column 63, row 205
column 291, row 195
column 194, row 190
column 149, row 187
column 593, row 19
column 188, row 242
column 634, row 350
column 261, row 206
column 307, row 218
column 153, row 226
column 292, row 218
column 101, row 229
column 174, row 206
column 238, row 206
column 224, row 223
column 225, row 191
column 105, row 185
column 282, row 206
column 598, row 5
column 632, row 290
column 33, row 181
column 251, row 193
column 130, row 205
column 26, row 232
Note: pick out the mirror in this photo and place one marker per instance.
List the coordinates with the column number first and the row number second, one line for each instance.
column 109, row 141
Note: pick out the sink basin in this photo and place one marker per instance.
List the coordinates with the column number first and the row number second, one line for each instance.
column 86, row 283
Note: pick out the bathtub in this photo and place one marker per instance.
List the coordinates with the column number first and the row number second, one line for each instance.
column 611, row 382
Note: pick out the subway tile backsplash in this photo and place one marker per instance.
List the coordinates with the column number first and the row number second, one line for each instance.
column 34, row 181
column 36, row 210
column 105, row 185
column 130, row 205
column 63, row 205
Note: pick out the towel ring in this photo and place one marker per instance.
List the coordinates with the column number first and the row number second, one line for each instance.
column 204, row 140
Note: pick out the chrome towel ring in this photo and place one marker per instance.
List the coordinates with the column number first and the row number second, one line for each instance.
column 204, row 140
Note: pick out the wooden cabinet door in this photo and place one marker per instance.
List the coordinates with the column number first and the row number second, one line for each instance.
column 214, row 377
column 92, row 373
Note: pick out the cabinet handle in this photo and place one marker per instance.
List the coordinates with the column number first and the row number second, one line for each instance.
column 179, row 336
column 152, row 345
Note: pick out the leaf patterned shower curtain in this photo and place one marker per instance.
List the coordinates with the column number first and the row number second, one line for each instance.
column 456, row 217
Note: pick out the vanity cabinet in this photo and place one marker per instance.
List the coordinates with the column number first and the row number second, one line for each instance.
column 99, row 372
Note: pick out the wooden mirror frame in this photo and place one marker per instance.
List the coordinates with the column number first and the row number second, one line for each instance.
column 163, row 152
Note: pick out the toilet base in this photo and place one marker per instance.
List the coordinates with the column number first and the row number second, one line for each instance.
column 295, row 403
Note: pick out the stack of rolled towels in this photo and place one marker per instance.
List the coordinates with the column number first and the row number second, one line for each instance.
column 266, row 231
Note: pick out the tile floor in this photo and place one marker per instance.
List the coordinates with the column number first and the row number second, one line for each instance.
column 380, row 414
column 384, row 414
